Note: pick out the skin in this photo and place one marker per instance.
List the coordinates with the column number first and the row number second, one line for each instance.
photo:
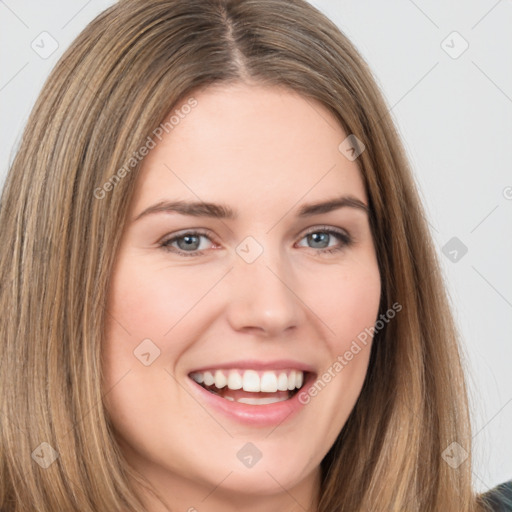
column 264, row 151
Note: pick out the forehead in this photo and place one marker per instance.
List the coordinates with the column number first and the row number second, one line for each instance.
column 249, row 145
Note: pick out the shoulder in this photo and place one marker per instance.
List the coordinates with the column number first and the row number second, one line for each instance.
column 499, row 499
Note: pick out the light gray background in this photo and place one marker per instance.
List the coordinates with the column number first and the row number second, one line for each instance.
column 455, row 117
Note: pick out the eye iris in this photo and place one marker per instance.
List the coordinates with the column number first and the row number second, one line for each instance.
column 191, row 242
column 319, row 238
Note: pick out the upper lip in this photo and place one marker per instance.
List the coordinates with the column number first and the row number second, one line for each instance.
column 247, row 364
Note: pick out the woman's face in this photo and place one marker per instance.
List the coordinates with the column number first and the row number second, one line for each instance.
column 261, row 276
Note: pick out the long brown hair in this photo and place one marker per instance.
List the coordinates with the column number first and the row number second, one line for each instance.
column 61, row 226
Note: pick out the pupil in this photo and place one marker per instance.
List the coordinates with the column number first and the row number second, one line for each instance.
column 321, row 238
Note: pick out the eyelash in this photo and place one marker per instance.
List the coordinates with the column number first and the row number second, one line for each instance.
column 345, row 238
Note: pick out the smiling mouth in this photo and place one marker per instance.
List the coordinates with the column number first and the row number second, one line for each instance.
column 250, row 386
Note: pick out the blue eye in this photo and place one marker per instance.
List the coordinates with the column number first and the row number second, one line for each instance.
column 189, row 243
column 320, row 239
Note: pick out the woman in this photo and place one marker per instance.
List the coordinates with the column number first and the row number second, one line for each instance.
column 218, row 285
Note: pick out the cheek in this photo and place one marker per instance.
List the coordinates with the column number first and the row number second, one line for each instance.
column 346, row 299
column 157, row 303
column 347, row 302
column 149, row 300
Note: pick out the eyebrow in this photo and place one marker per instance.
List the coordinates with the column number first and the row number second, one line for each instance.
column 220, row 211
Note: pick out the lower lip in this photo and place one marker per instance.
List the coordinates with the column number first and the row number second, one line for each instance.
column 256, row 415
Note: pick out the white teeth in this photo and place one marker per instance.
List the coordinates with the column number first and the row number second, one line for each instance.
column 208, row 379
column 260, row 401
column 291, row 381
column 282, row 382
column 198, row 377
column 251, row 380
column 220, row 379
column 234, row 380
column 268, row 382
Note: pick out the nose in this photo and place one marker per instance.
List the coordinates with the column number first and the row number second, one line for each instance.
column 262, row 298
